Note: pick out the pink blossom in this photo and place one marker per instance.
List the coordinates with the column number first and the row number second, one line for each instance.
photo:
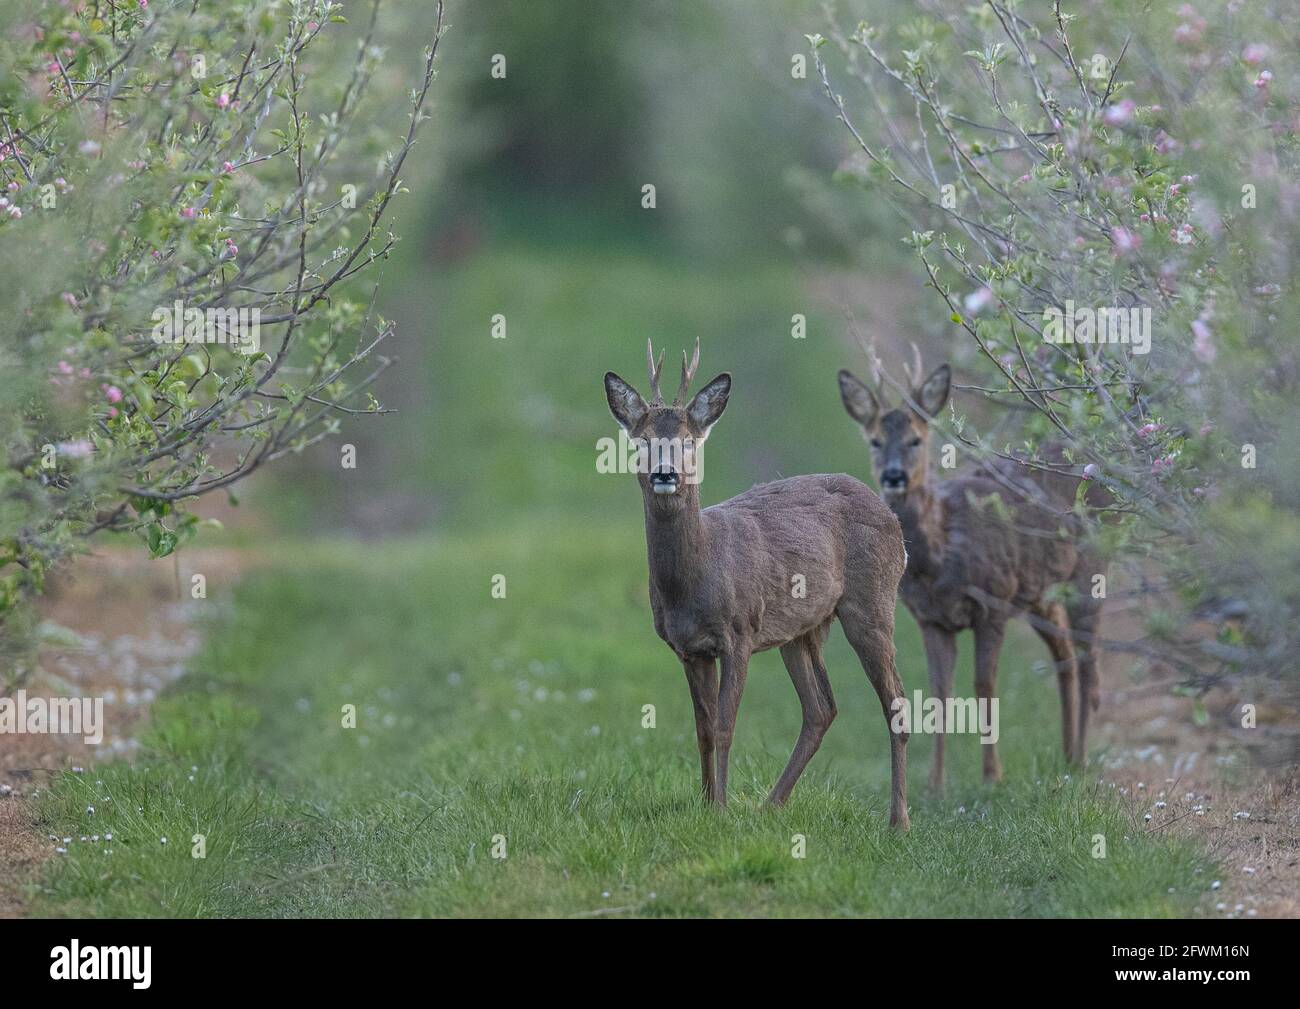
column 112, row 393
column 112, row 412
column 1254, row 53
column 143, row 4
column 189, row 213
column 69, row 299
column 1162, row 466
column 1124, row 241
column 12, row 187
column 228, row 167
column 979, row 300
column 1147, row 430
column 1264, row 77
column 64, row 368
column 1091, row 472
column 223, row 101
column 1118, row 115
column 1203, row 344
column 15, row 213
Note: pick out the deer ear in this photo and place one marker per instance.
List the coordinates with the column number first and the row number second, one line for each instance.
column 625, row 403
column 708, row 404
column 859, row 400
column 933, row 393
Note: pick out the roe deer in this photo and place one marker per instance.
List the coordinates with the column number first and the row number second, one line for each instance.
column 770, row 568
column 980, row 548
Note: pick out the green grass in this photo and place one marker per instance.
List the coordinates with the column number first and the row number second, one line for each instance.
column 522, row 717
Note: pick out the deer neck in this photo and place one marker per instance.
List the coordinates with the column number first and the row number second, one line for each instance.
column 921, row 516
column 676, row 544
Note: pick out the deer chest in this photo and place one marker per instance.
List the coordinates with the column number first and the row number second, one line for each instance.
column 689, row 635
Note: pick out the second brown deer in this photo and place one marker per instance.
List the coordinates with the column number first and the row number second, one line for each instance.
column 981, row 548
column 770, row 568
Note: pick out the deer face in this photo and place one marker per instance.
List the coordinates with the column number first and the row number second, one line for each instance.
column 899, row 438
column 669, row 439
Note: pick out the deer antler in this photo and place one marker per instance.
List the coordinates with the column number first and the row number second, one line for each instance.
column 656, row 397
column 688, row 373
column 915, row 374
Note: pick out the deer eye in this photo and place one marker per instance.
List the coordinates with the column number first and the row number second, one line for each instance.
column 875, row 443
column 914, row 443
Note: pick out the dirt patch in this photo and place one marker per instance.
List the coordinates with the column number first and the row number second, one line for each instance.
column 1211, row 781
column 132, row 633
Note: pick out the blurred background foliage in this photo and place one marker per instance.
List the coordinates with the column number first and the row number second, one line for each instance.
column 526, row 201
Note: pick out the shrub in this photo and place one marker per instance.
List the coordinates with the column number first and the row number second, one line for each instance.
column 179, row 181
column 1107, row 155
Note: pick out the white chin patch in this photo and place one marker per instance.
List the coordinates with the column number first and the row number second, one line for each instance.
column 665, row 488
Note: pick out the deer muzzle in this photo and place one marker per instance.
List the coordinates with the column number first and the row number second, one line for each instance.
column 664, row 481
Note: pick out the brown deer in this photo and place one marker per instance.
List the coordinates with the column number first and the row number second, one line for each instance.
column 981, row 548
column 770, row 568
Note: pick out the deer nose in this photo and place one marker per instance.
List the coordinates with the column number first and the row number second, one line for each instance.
column 663, row 481
column 893, row 478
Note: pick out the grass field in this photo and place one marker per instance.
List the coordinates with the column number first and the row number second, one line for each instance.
column 521, row 717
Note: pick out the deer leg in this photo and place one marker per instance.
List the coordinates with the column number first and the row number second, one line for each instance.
column 1085, row 620
column 803, row 661
column 873, row 640
column 1057, row 638
column 940, row 657
column 702, row 675
column 731, row 684
column 988, row 646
